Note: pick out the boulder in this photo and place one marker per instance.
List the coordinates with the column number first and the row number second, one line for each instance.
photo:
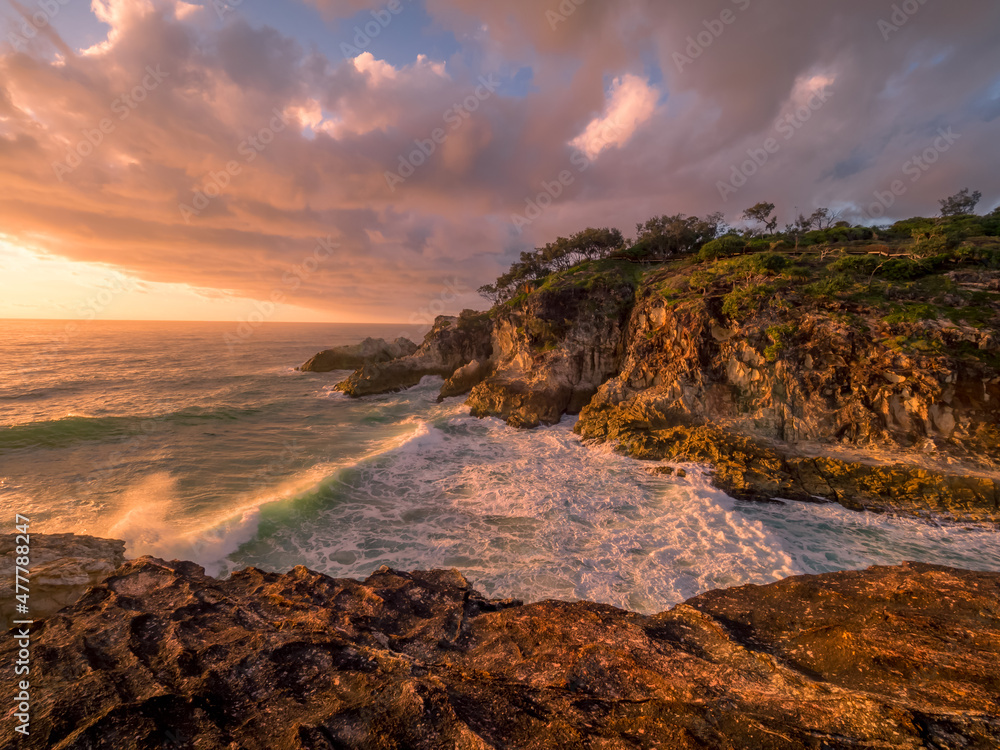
column 62, row 567
column 452, row 343
column 369, row 351
column 464, row 379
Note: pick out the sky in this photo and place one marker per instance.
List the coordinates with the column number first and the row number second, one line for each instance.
column 353, row 161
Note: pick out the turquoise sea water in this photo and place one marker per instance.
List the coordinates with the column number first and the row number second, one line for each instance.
column 185, row 446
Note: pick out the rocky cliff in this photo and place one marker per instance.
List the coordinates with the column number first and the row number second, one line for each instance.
column 453, row 343
column 833, row 375
column 554, row 347
column 797, row 377
column 159, row 655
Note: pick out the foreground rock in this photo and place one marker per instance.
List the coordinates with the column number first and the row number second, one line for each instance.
column 370, row 351
column 160, row 655
column 63, row 567
column 452, row 343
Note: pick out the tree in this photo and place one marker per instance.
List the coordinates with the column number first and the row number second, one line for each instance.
column 761, row 213
column 663, row 236
column 560, row 255
column 960, row 203
column 589, row 244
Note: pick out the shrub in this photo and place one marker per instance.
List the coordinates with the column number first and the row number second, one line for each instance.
column 743, row 302
column 781, row 336
column 856, row 265
column 829, row 287
column 722, row 247
column 761, row 263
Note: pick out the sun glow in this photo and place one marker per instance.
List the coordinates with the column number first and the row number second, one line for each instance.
column 39, row 285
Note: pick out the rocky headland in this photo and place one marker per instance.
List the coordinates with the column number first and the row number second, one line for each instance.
column 857, row 372
column 368, row 352
column 159, row 655
column 452, row 344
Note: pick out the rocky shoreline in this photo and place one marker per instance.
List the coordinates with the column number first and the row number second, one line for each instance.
column 681, row 362
column 160, row 655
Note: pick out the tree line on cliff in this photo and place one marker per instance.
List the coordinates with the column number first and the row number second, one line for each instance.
column 665, row 237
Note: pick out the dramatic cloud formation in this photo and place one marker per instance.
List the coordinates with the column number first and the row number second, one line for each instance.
column 215, row 150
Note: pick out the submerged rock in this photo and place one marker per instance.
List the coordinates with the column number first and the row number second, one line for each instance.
column 62, row 567
column 161, row 655
column 369, row 351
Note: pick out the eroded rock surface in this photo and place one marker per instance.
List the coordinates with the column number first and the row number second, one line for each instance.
column 368, row 352
column 160, row 655
column 452, row 343
column 744, row 395
column 556, row 348
column 62, row 567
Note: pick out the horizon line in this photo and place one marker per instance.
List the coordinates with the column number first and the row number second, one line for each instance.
column 185, row 320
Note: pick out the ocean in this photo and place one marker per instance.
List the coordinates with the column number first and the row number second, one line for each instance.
column 197, row 441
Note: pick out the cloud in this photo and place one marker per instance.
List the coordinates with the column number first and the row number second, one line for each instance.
column 631, row 103
column 350, row 122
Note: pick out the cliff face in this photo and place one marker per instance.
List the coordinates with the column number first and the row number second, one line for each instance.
column 884, row 398
column 554, row 349
column 797, row 377
column 161, row 655
column 800, row 370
